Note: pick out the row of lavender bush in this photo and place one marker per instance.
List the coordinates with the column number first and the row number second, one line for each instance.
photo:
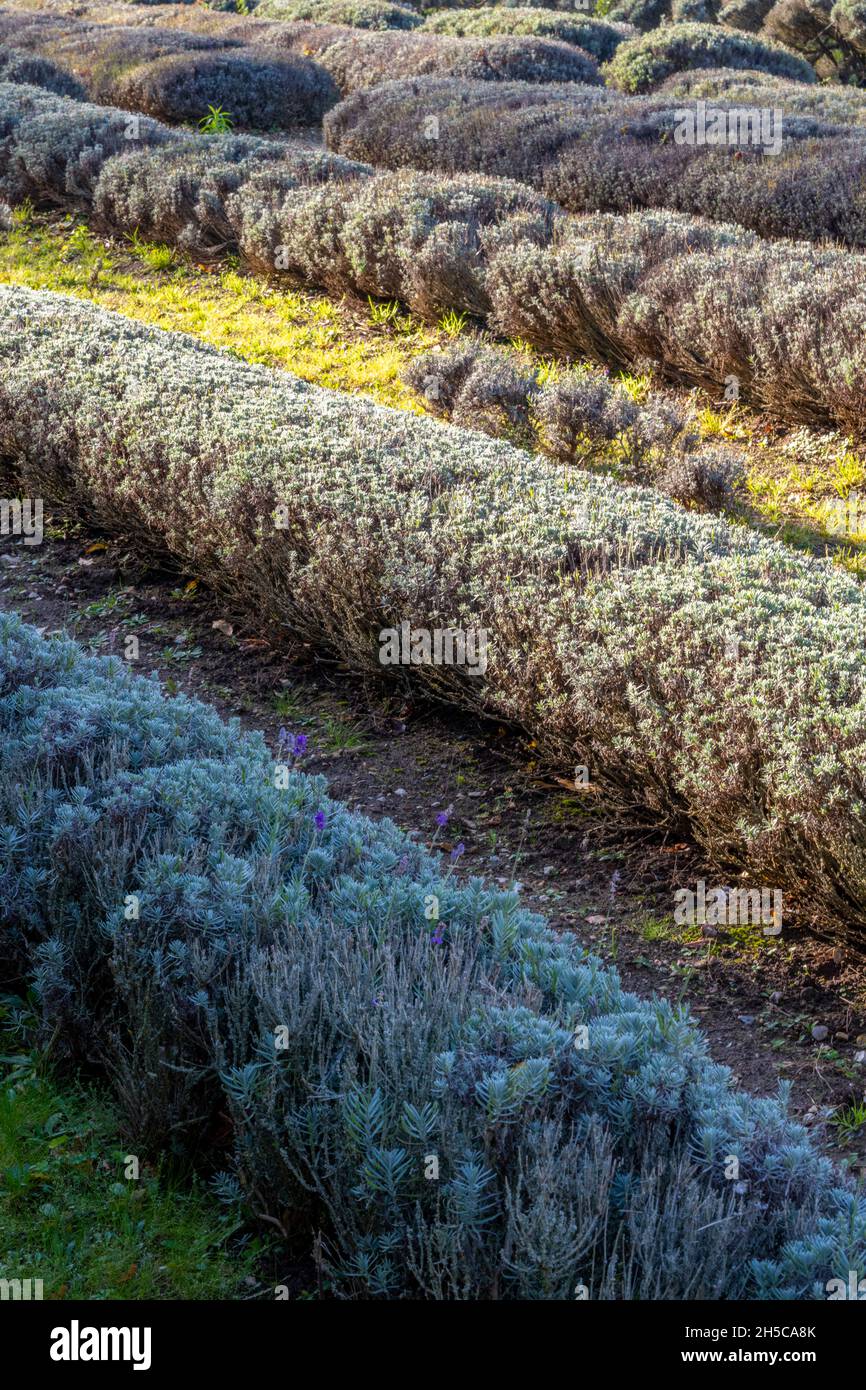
column 471, row 1108
column 704, row 301
column 279, row 75
column 173, row 75
column 591, row 149
column 611, row 612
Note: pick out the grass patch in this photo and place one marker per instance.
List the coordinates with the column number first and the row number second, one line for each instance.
column 70, row 1215
column 340, row 345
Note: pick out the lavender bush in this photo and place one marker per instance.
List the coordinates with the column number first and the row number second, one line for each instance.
column 610, row 609
column 595, row 36
column 357, row 14
column 362, row 61
column 579, row 417
column 641, row 64
column 218, row 941
column 179, row 195
column 259, row 89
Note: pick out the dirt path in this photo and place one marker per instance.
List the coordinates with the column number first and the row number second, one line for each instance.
column 758, row 999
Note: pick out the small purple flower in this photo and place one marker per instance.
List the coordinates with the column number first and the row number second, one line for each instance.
column 442, row 819
column 457, row 851
column 319, row 820
column 292, row 745
column 437, row 939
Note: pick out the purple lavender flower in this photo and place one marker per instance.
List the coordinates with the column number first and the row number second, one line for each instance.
column 300, row 745
column 457, row 851
column 442, row 819
column 319, row 820
column 437, row 939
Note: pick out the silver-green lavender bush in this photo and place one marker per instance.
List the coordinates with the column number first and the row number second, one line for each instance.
column 610, row 609
column 642, row 63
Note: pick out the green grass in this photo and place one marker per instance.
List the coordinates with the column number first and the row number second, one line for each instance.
column 70, row 1216
column 346, row 346
column 850, row 1121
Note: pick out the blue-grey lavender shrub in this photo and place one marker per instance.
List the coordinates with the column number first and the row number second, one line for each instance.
column 610, row 608
column 476, row 1112
column 641, row 64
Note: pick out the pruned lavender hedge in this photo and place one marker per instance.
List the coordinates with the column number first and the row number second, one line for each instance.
column 610, row 610
column 468, row 1109
column 595, row 36
column 704, row 301
column 174, row 75
column 641, row 64
column 53, row 150
column 801, row 177
column 362, row 61
column 257, row 87
column 181, row 197
column 357, row 14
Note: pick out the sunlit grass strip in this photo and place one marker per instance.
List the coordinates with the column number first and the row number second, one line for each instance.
column 317, row 338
